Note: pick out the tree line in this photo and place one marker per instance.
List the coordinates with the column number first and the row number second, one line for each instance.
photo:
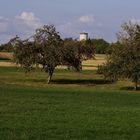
column 101, row 46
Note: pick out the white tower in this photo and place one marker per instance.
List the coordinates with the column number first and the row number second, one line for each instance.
column 83, row 36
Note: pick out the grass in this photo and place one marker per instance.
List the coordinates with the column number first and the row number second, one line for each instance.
column 6, row 55
column 76, row 106
column 6, row 60
column 93, row 64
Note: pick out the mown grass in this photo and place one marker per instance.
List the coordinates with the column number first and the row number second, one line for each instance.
column 76, row 106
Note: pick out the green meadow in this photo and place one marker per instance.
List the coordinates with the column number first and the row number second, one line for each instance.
column 75, row 106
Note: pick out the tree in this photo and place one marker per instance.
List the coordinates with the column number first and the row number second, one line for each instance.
column 125, row 61
column 113, row 46
column 77, row 51
column 48, row 44
column 101, row 46
column 24, row 53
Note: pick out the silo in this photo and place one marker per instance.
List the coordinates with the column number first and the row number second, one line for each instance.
column 83, row 36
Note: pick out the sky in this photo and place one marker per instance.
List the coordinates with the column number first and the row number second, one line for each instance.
column 99, row 18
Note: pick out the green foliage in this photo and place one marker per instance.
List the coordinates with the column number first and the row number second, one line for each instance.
column 75, row 52
column 71, row 54
column 125, row 61
column 6, row 47
column 24, row 53
column 113, row 46
column 101, row 46
column 87, row 49
column 49, row 45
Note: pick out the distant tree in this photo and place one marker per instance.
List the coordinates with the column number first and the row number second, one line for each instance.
column 113, row 46
column 87, row 49
column 68, row 39
column 101, row 46
column 1, row 47
column 71, row 56
column 7, row 47
column 125, row 61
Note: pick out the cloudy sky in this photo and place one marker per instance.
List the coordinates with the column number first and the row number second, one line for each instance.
column 100, row 18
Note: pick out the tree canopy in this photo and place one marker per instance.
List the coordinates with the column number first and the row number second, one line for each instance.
column 101, row 46
column 124, row 61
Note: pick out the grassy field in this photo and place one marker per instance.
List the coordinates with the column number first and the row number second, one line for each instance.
column 93, row 64
column 76, row 106
column 5, row 60
column 6, row 55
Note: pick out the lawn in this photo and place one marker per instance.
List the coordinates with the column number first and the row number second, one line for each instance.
column 75, row 106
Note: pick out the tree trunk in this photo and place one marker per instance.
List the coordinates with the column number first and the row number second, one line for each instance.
column 136, row 85
column 49, row 78
column 50, row 73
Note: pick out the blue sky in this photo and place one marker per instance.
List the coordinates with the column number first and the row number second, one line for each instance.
column 100, row 18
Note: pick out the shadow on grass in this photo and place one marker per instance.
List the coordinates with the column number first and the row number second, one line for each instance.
column 38, row 80
column 2, row 58
column 130, row 88
column 82, row 81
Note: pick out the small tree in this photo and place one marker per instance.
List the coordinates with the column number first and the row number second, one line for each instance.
column 125, row 61
column 75, row 52
column 24, row 53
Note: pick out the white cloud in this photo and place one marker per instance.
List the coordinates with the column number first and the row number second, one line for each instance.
column 74, row 27
column 28, row 16
column 135, row 21
column 23, row 25
column 29, row 19
column 86, row 19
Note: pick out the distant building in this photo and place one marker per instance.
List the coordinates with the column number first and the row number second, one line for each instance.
column 83, row 36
